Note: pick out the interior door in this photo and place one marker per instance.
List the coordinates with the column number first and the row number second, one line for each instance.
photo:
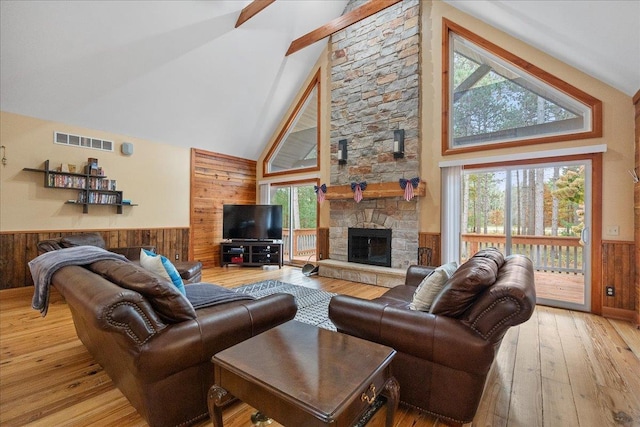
column 541, row 211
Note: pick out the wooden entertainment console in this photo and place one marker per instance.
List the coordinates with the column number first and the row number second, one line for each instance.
column 251, row 253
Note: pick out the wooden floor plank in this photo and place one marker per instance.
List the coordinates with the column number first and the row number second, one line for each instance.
column 526, row 389
column 581, row 373
column 559, row 368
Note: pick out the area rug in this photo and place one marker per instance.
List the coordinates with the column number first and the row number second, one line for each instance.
column 313, row 304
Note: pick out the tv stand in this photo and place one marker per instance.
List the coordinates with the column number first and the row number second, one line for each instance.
column 251, row 253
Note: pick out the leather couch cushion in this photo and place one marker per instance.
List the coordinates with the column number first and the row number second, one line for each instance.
column 431, row 286
column 469, row 280
column 165, row 298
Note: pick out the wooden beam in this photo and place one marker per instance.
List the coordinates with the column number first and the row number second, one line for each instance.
column 251, row 10
column 373, row 191
column 340, row 23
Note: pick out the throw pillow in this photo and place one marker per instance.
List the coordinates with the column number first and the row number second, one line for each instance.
column 165, row 298
column 464, row 286
column 161, row 266
column 431, row 286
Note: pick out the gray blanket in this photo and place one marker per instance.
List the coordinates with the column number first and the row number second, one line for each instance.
column 44, row 266
column 202, row 295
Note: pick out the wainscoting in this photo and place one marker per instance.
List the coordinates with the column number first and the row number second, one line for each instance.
column 619, row 271
column 18, row 248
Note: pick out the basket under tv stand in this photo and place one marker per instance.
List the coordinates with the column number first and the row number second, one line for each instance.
column 252, row 253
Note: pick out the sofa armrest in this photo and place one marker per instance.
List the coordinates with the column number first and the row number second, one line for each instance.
column 415, row 274
column 439, row 339
column 106, row 306
column 509, row 302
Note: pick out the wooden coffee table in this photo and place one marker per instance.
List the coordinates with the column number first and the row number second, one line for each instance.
column 301, row 375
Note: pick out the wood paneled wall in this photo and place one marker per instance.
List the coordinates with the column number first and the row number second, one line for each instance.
column 216, row 179
column 432, row 241
column 323, row 243
column 619, row 271
column 18, row 248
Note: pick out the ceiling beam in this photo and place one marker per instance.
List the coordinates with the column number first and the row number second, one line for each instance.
column 340, row 23
column 251, row 10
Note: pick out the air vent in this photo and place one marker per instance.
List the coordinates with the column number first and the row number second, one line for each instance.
column 82, row 141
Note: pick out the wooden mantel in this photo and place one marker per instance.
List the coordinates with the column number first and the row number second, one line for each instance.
column 373, row 191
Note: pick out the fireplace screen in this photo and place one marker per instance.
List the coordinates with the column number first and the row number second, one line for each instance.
column 370, row 246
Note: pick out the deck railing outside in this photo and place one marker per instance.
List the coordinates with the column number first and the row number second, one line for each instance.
column 553, row 254
column 304, row 242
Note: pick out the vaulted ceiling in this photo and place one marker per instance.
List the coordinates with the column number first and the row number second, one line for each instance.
column 179, row 72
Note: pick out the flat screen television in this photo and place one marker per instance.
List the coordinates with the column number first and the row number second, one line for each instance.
column 252, row 222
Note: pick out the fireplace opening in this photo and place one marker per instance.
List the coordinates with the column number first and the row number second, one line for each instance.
column 370, row 246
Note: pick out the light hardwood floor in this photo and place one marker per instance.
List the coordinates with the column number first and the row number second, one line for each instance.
column 561, row 368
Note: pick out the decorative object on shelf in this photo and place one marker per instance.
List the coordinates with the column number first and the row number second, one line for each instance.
column 358, row 188
column 126, row 148
column 342, row 152
column 398, row 143
column 408, row 185
column 320, row 191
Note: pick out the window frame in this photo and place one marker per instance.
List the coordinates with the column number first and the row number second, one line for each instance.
column 284, row 132
column 592, row 103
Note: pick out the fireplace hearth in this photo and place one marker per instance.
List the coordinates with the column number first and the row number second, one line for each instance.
column 370, row 246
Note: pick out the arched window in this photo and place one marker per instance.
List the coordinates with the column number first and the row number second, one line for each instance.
column 492, row 98
column 297, row 147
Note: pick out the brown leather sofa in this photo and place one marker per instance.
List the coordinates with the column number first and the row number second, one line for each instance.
column 190, row 271
column 444, row 355
column 150, row 340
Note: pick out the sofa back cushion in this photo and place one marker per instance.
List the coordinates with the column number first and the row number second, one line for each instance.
column 83, row 239
column 468, row 281
column 165, row 298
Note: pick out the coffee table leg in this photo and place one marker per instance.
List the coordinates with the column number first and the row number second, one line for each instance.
column 216, row 398
column 391, row 391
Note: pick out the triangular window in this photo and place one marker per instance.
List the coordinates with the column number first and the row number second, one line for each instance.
column 297, row 146
column 496, row 99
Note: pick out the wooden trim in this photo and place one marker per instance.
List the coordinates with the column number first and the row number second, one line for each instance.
column 315, row 83
column 596, row 233
column 251, row 10
column 619, row 313
column 593, row 103
column 373, row 191
column 636, row 97
column 340, row 23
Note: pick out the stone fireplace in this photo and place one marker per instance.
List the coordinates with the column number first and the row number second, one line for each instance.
column 375, row 79
column 370, row 246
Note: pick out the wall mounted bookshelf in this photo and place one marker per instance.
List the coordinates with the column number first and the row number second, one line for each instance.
column 92, row 189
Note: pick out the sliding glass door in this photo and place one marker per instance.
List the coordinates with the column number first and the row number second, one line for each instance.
column 541, row 211
column 299, row 221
